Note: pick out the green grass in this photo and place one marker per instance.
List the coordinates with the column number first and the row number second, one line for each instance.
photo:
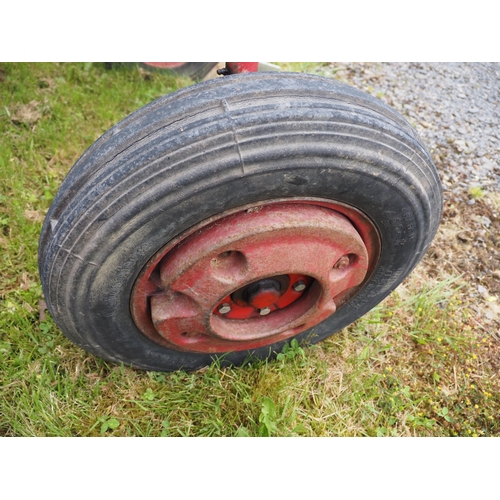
column 420, row 364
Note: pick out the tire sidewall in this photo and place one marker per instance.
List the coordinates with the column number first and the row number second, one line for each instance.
column 109, row 286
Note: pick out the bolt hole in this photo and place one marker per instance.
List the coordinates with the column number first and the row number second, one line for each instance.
column 345, row 261
column 353, row 258
column 193, row 336
column 229, row 266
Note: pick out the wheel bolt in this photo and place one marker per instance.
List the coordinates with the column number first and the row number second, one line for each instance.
column 224, row 308
column 299, row 286
column 265, row 311
column 342, row 262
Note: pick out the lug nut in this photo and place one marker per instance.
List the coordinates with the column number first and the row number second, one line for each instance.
column 299, row 286
column 264, row 311
column 342, row 262
column 224, row 308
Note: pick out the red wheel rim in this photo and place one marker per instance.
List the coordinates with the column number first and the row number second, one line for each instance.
column 254, row 276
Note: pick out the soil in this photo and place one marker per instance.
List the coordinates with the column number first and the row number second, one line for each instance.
column 455, row 107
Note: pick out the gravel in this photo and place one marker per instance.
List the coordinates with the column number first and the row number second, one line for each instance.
column 455, row 107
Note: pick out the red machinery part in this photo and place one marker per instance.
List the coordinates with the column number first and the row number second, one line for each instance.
column 242, row 67
column 232, row 67
column 253, row 277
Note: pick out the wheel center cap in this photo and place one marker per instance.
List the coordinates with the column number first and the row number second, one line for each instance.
column 262, row 293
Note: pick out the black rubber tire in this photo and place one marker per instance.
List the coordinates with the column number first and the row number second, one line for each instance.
column 213, row 147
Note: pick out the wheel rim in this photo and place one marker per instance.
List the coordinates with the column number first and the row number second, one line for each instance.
column 254, row 276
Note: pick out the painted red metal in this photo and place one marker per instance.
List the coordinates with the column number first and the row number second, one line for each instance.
column 214, row 290
column 241, row 67
column 241, row 309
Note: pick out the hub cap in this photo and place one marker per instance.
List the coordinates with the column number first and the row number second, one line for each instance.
column 254, row 277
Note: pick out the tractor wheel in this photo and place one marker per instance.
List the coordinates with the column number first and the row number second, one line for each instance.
column 227, row 218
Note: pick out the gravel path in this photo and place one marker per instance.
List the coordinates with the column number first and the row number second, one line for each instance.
column 455, row 107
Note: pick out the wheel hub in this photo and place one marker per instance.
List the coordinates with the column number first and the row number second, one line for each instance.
column 261, row 297
column 262, row 293
column 251, row 278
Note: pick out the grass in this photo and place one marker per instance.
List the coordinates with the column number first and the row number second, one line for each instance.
column 420, row 364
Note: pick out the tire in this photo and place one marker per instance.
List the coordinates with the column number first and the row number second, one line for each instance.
column 166, row 179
